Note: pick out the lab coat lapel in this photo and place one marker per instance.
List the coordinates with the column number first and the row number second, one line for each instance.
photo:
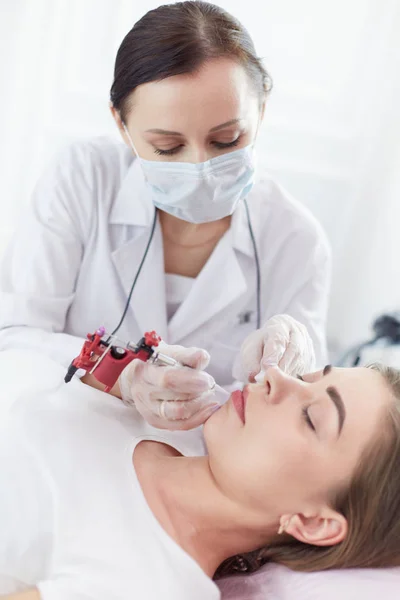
column 148, row 303
column 133, row 206
column 218, row 285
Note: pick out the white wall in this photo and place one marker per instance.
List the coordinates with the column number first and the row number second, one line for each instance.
column 331, row 133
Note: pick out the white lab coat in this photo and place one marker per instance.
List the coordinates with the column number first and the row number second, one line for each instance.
column 71, row 263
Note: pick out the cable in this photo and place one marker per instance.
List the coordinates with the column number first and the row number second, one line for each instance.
column 257, row 265
column 147, row 250
column 136, row 276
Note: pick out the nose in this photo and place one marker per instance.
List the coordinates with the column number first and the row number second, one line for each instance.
column 280, row 386
column 199, row 155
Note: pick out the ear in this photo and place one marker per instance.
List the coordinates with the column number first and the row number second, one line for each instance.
column 117, row 118
column 326, row 529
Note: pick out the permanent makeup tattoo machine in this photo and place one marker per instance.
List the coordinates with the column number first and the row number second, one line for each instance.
column 105, row 357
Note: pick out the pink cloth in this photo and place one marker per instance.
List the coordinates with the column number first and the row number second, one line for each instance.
column 275, row 582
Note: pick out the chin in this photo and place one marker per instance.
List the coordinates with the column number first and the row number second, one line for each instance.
column 209, row 423
column 214, row 428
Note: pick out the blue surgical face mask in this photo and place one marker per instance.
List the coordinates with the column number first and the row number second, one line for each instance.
column 202, row 192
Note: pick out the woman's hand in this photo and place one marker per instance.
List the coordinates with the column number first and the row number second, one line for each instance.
column 282, row 341
column 171, row 397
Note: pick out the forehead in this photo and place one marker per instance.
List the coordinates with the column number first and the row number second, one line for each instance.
column 218, row 92
column 357, row 382
column 366, row 397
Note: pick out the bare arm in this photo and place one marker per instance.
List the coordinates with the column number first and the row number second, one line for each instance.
column 91, row 380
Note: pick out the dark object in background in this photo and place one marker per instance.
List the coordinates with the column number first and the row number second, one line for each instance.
column 386, row 327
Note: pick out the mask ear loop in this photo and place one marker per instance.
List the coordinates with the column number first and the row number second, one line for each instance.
column 128, row 135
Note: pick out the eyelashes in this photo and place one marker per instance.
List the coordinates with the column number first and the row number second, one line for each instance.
column 218, row 145
column 168, row 152
column 306, row 417
column 304, row 411
column 222, row 145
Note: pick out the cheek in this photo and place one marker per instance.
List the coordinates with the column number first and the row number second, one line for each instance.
column 221, row 430
column 267, row 467
column 304, row 473
column 253, row 464
column 232, row 456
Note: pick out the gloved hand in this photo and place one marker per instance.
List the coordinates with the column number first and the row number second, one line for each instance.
column 282, row 341
column 171, row 397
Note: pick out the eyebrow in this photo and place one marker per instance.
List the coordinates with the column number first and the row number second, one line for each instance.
column 336, row 399
column 227, row 124
column 164, row 132
column 217, row 128
column 327, row 370
column 339, row 405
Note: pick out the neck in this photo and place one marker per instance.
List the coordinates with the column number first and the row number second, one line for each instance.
column 190, row 235
column 195, row 512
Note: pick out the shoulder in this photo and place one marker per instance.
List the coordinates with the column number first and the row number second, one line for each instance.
column 82, row 180
column 93, row 157
column 283, row 220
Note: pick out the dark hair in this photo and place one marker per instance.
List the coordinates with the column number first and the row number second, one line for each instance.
column 370, row 503
column 179, row 38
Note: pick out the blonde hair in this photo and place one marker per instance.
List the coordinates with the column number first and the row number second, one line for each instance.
column 370, row 503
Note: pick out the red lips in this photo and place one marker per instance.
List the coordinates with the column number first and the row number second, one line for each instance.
column 239, row 402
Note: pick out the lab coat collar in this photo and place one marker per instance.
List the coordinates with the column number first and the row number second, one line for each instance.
column 241, row 238
column 212, row 294
column 219, row 284
column 133, row 204
column 148, row 302
column 209, row 296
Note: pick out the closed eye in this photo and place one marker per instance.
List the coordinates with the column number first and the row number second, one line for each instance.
column 168, row 152
column 307, row 419
column 304, row 411
column 218, row 145
column 222, row 145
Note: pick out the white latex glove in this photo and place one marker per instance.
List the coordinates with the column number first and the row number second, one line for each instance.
column 282, row 341
column 171, row 397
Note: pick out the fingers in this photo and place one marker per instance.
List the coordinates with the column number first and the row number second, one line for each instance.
column 299, row 357
column 174, row 398
column 250, row 356
column 183, row 424
column 282, row 341
column 199, row 419
column 290, row 359
column 182, row 413
column 174, row 379
column 196, row 358
column 275, row 347
column 178, row 410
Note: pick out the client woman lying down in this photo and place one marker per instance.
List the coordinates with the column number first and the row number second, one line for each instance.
column 96, row 504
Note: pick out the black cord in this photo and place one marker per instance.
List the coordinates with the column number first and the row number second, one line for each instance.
column 147, row 250
column 137, row 275
column 253, row 239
